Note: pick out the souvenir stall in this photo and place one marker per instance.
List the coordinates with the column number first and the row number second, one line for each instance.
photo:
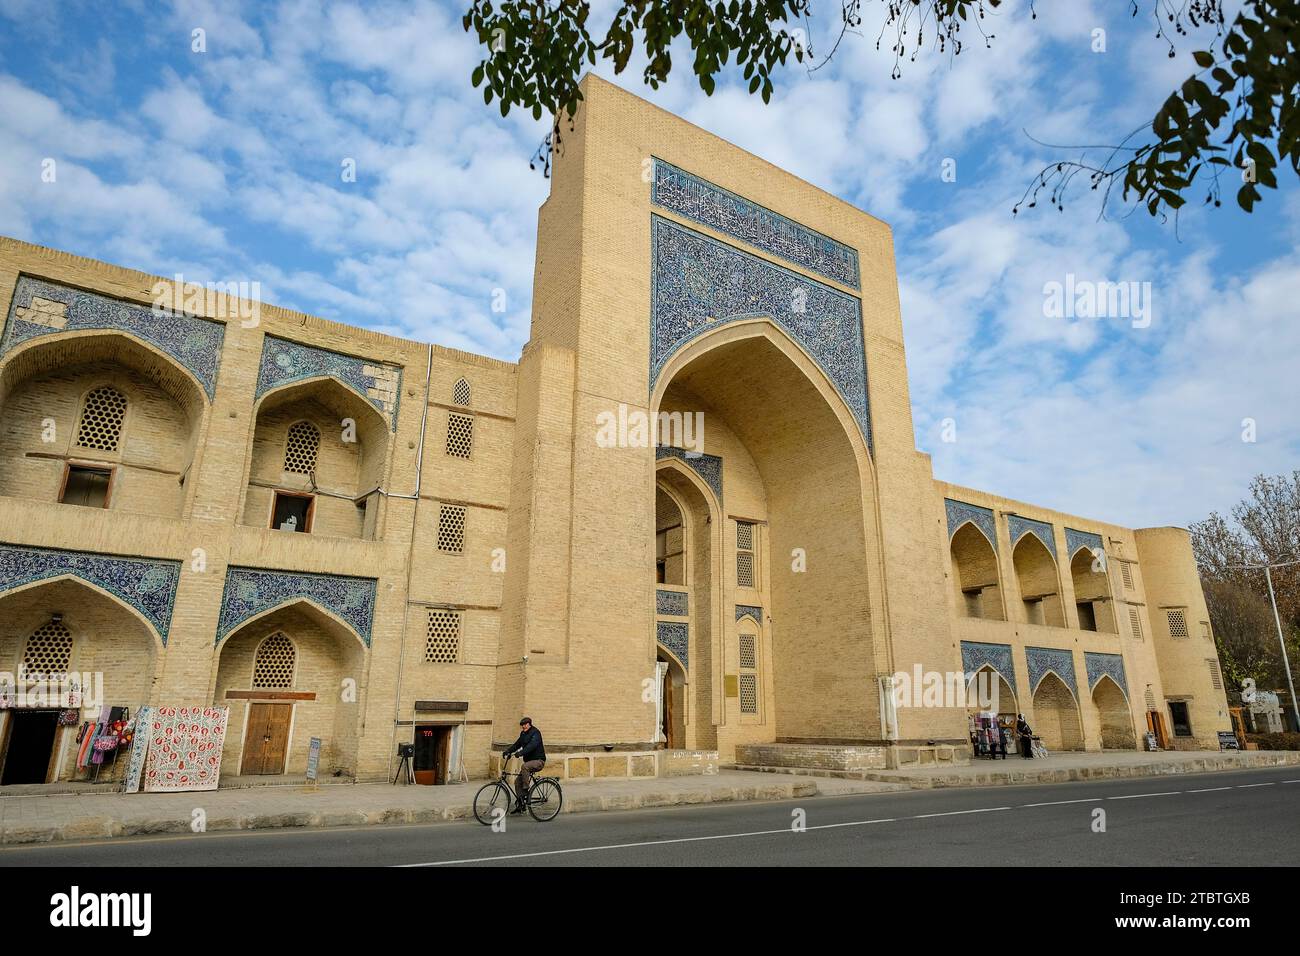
column 101, row 741
column 988, row 735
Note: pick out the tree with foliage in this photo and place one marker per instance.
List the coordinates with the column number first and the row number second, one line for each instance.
column 1239, row 110
column 1262, row 529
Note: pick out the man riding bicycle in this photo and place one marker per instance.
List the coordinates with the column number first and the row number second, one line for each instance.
column 529, row 747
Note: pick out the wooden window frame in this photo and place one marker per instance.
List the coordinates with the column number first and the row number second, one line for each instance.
column 311, row 509
column 83, row 465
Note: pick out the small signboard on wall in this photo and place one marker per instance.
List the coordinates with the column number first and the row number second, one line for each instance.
column 313, row 758
column 1228, row 740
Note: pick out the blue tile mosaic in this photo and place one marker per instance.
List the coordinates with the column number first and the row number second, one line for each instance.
column 975, row 655
column 1100, row 665
column 1044, row 659
column 675, row 637
column 749, row 609
column 959, row 513
column 1074, row 540
column 699, row 284
column 250, row 591
column 690, row 196
column 675, row 603
column 194, row 343
column 146, row 584
column 1018, row 526
column 708, row 467
column 284, row 362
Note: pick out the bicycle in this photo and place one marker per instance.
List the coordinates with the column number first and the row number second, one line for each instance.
column 544, row 798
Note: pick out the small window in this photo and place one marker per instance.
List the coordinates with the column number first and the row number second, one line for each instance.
column 451, row 529
column 460, row 393
column 86, row 486
column 49, row 650
column 749, row 693
column 745, row 554
column 460, row 435
column 292, row 512
column 1205, row 631
column 1216, row 676
column 1034, row 611
column 974, row 602
column 101, row 419
column 275, row 662
column 442, row 637
column 1135, row 622
column 749, row 673
column 1180, row 718
column 301, row 447
column 1177, row 624
column 1126, row 572
column 1087, row 616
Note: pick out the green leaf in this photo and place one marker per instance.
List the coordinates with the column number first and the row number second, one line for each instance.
column 1203, row 58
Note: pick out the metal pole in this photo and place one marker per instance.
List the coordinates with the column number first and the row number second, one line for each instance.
column 1282, row 641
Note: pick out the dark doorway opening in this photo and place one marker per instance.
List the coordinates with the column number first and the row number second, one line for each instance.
column 292, row 512
column 1180, row 718
column 30, row 746
column 432, row 754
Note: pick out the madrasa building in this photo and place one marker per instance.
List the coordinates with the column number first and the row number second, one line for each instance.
column 365, row 541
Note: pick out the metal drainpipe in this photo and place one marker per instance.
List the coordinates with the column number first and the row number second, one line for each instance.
column 410, row 560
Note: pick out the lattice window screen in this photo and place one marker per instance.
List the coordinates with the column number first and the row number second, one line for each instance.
column 748, row 652
column 744, row 536
column 744, row 569
column 275, row 662
column 1135, row 622
column 49, row 650
column 749, row 693
column 1177, row 624
column 1216, row 677
column 1126, row 572
column 101, row 419
column 451, row 529
column 460, row 435
column 442, row 640
column 301, row 447
column 460, row 392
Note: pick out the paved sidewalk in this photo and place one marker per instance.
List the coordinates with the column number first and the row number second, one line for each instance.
column 1056, row 768
column 78, row 816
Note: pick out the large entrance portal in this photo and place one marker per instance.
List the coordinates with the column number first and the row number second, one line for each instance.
column 786, row 472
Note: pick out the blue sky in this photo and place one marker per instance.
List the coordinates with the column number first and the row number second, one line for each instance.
column 225, row 165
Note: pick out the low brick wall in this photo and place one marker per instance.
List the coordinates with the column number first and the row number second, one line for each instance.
column 636, row 764
column 812, row 757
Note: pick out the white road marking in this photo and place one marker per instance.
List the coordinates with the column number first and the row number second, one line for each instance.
column 953, row 813
column 1134, row 796
column 1057, row 803
column 1291, row 781
column 1209, row 790
column 1247, row 786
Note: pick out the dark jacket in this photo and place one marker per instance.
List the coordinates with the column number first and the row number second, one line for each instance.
column 529, row 745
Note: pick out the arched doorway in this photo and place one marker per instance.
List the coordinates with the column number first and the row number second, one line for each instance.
column 103, row 647
column 796, row 492
column 1040, row 592
column 290, row 675
column 1056, row 714
column 1116, row 718
column 1092, row 600
column 1003, row 702
column 975, row 575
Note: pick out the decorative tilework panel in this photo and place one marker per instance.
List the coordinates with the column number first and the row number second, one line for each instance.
column 694, row 198
column 959, row 513
column 1100, row 665
column 699, row 284
column 284, row 362
column 755, row 612
column 147, row 584
column 1018, row 526
column 1044, row 659
column 975, row 655
column 675, row 637
column 671, row 602
column 708, row 467
column 250, row 591
column 1074, row 540
column 194, row 343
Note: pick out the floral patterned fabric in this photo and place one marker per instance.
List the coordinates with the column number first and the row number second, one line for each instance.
column 185, row 746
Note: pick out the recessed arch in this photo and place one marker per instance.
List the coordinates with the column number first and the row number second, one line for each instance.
column 89, row 586
column 1094, row 606
column 330, row 621
column 1037, row 582
column 1114, row 713
column 977, row 585
column 1006, row 704
column 1056, row 714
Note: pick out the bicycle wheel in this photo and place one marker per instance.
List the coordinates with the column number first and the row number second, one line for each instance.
column 490, row 798
column 545, row 799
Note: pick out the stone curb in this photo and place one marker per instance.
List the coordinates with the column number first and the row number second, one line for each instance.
column 100, row 826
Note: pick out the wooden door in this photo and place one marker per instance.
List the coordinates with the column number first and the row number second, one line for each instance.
column 266, row 740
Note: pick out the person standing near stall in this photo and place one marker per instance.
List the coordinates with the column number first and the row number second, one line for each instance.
column 1026, row 735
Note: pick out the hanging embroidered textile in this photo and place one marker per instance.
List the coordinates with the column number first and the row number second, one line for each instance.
column 139, row 747
column 185, row 746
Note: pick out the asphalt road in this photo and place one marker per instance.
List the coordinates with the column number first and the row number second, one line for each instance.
column 1184, row 820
